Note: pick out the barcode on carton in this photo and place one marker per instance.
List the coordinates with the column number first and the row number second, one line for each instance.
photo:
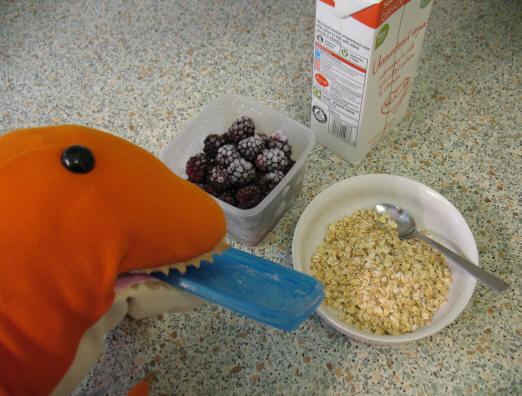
column 339, row 128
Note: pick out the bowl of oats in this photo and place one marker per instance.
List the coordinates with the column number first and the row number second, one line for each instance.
column 381, row 289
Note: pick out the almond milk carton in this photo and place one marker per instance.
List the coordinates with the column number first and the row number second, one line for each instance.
column 365, row 60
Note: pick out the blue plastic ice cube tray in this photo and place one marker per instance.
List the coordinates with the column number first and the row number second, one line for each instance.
column 257, row 288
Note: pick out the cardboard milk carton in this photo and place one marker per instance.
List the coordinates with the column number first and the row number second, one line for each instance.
column 365, row 60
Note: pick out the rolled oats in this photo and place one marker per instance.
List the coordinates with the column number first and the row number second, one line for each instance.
column 376, row 281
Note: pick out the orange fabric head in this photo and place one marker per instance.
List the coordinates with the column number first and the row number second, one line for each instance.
column 64, row 237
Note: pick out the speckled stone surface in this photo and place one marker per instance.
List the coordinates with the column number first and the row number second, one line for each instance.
column 142, row 69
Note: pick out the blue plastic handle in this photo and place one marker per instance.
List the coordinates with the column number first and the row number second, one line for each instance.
column 257, row 288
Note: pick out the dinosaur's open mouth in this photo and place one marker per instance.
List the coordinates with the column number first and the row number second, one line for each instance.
column 128, row 279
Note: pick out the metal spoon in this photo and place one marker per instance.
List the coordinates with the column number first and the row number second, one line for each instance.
column 406, row 229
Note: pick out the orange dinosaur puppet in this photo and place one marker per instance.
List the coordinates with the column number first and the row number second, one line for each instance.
column 80, row 212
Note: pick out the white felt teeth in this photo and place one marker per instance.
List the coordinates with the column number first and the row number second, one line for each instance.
column 182, row 265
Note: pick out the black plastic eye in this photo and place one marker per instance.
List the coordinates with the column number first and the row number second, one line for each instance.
column 78, row 159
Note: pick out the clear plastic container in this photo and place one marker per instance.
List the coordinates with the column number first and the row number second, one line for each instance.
column 248, row 226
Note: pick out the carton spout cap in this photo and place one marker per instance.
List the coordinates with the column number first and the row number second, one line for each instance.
column 344, row 8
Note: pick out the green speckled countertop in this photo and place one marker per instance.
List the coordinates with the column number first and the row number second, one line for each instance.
column 142, row 69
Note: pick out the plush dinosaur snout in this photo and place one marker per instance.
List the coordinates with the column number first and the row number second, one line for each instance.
column 78, row 207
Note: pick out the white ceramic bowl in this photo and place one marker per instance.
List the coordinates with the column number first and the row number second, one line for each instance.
column 431, row 211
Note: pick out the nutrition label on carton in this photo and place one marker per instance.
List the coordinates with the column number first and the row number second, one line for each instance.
column 339, row 77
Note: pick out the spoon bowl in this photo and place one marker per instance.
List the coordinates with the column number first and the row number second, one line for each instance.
column 406, row 226
column 406, row 229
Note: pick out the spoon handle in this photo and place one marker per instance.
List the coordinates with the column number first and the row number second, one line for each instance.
column 486, row 278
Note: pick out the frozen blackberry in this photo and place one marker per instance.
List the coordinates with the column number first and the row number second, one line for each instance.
column 259, row 175
column 226, row 154
column 241, row 172
column 291, row 163
column 212, row 143
column 241, row 128
column 197, row 168
column 271, row 160
column 265, row 137
column 218, row 178
column 211, row 189
column 248, row 196
column 280, row 140
column 270, row 180
column 228, row 197
column 250, row 147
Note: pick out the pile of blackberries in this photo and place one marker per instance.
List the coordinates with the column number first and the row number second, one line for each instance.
column 241, row 166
